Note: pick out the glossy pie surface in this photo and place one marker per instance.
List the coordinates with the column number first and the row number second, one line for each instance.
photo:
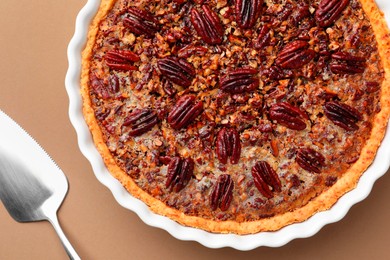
column 237, row 116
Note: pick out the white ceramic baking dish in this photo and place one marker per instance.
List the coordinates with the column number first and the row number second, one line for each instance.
column 247, row 242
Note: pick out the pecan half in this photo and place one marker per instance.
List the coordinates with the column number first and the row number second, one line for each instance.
column 247, row 12
column 345, row 63
column 310, row 160
column 140, row 121
column 141, row 22
column 179, row 173
column 184, row 111
column 228, row 145
column 121, row 59
column 263, row 38
column 239, row 81
column 264, row 177
column 178, row 71
column 295, row 55
column 288, row 116
column 329, row 11
column 222, row 195
column 342, row 115
column 207, row 24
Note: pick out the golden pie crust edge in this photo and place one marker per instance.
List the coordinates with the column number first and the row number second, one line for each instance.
column 322, row 202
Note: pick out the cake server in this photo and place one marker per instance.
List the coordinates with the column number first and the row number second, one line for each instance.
column 32, row 186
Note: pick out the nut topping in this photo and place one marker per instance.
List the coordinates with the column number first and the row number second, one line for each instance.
column 189, row 50
column 329, row 11
column 121, row 59
column 168, row 88
column 179, row 173
column 263, row 177
column 101, row 89
column 263, row 38
column 276, row 73
column 345, row 63
column 310, row 160
column 222, row 195
column 295, row 55
column 247, row 12
column 239, row 81
column 228, row 145
column 207, row 24
column 140, row 121
column 343, row 115
column 288, row 116
column 372, row 87
column 113, row 83
column 234, row 110
column 141, row 22
column 178, row 71
column 301, row 12
column 184, row 112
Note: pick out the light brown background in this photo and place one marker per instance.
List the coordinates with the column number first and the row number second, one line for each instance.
column 33, row 39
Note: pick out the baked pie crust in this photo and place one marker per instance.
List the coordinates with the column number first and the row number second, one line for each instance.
column 286, row 172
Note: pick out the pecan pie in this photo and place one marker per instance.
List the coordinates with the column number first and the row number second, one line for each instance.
column 237, row 116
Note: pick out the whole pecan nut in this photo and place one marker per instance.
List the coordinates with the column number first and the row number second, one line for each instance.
column 222, row 195
column 228, row 145
column 140, row 121
column 184, row 111
column 178, row 71
column 343, row 115
column 345, row 63
column 288, row 116
column 265, row 177
column 141, row 22
column 295, row 55
column 179, row 173
column 310, row 160
column 240, row 81
column 121, row 59
column 329, row 11
column 247, row 12
column 207, row 24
